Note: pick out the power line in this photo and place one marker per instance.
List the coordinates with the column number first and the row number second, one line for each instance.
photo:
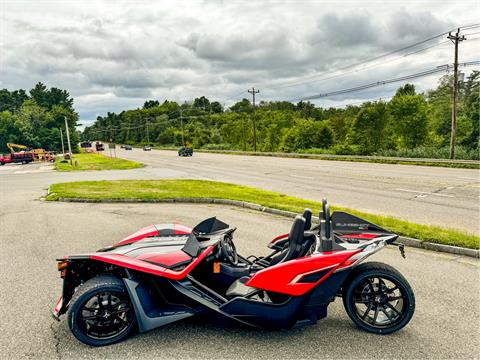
column 300, row 81
column 362, row 69
column 438, row 69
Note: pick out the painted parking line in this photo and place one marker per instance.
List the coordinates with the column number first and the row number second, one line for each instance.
column 425, row 193
column 302, row 177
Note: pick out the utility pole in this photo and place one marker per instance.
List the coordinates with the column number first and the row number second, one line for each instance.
column 63, row 146
column 253, row 92
column 456, row 38
column 148, row 137
column 68, row 139
column 181, row 125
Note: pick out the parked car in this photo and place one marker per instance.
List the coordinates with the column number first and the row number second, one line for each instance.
column 127, row 147
column 122, row 146
column 185, row 151
column 147, row 148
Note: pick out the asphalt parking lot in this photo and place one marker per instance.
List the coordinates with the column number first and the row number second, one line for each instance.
column 34, row 233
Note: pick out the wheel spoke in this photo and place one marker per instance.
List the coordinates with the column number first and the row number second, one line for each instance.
column 381, row 283
column 91, row 317
column 369, row 308
column 370, row 285
column 393, row 309
column 122, row 320
column 99, row 299
column 395, row 298
column 377, row 310
column 389, row 291
column 363, row 301
column 386, row 313
column 121, row 311
column 90, row 308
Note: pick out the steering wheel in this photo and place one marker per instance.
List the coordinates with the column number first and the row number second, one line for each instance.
column 228, row 249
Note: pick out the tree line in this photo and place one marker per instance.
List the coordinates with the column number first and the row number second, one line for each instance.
column 34, row 119
column 410, row 124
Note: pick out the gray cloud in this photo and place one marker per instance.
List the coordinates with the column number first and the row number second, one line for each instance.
column 113, row 55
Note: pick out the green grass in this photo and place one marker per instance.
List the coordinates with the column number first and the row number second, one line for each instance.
column 87, row 161
column 171, row 189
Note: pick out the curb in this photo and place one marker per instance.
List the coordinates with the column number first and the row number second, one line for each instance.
column 416, row 243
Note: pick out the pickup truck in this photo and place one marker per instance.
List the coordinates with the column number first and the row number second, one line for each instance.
column 23, row 157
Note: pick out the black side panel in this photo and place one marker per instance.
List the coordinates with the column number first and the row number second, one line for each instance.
column 265, row 314
column 323, row 294
column 343, row 221
column 149, row 314
column 209, row 226
column 314, row 277
column 192, row 246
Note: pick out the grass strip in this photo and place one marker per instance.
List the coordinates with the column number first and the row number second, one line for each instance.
column 89, row 161
column 171, row 189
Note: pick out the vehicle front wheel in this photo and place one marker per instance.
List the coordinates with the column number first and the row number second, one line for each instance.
column 100, row 312
column 378, row 298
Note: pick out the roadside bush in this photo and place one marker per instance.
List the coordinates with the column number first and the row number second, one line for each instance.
column 431, row 152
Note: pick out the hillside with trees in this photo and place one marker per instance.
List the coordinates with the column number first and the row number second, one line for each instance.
column 34, row 119
column 410, row 124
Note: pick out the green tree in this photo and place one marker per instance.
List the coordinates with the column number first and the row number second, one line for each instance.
column 369, row 127
column 150, row 104
column 409, row 119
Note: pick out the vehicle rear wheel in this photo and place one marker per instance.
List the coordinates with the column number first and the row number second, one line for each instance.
column 100, row 312
column 378, row 298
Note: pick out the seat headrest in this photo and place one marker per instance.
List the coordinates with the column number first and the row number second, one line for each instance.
column 298, row 227
column 307, row 214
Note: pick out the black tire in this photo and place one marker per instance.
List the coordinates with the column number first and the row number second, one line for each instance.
column 362, row 296
column 88, row 329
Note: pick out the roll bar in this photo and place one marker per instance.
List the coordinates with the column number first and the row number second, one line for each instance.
column 325, row 228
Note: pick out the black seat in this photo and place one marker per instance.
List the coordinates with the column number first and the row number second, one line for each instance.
column 307, row 214
column 295, row 242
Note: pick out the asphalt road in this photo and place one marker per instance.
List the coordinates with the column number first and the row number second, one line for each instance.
column 429, row 195
column 33, row 233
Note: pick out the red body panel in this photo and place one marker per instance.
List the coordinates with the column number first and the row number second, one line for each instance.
column 156, row 230
column 284, row 277
column 360, row 236
column 136, row 264
column 182, row 229
column 279, row 237
column 147, row 231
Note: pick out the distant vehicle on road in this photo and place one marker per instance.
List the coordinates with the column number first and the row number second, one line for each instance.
column 127, row 147
column 86, row 144
column 23, row 157
column 99, row 146
column 147, row 148
column 185, row 151
column 122, row 146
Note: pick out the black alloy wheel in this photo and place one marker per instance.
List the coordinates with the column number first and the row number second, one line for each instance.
column 101, row 312
column 378, row 298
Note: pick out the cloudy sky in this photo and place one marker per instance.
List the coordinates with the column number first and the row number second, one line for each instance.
column 112, row 55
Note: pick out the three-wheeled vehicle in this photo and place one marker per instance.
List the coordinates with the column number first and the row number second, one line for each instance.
column 169, row 272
